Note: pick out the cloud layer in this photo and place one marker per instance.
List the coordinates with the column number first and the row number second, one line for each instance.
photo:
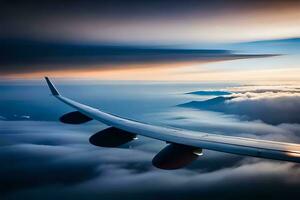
column 50, row 160
column 59, row 163
column 273, row 106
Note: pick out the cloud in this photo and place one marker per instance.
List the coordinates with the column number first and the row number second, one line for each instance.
column 50, row 160
column 54, row 154
column 254, row 180
column 270, row 106
column 230, row 125
column 54, row 56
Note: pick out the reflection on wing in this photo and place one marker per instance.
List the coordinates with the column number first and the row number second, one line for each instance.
column 184, row 143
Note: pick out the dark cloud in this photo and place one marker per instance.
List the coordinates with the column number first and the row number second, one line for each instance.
column 26, row 56
column 144, row 8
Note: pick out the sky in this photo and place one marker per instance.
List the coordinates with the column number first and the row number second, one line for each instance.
column 158, row 22
column 150, row 40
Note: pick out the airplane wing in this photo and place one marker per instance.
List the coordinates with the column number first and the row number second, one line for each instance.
column 183, row 147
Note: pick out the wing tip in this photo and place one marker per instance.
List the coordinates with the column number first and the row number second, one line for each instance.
column 51, row 87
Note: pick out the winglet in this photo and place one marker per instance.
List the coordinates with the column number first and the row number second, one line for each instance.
column 52, row 87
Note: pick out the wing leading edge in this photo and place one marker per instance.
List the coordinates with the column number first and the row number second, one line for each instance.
column 195, row 140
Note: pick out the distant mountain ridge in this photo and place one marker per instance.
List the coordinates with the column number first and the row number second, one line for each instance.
column 206, row 104
column 209, row 93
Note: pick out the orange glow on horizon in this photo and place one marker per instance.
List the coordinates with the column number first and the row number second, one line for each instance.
column 173, row 72
column 141, row 71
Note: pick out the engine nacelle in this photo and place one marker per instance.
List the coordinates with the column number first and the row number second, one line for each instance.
column 74, row 118
column 111, row 137
column 175, row 156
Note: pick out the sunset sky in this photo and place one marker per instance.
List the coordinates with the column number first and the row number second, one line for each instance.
column 132, row 40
